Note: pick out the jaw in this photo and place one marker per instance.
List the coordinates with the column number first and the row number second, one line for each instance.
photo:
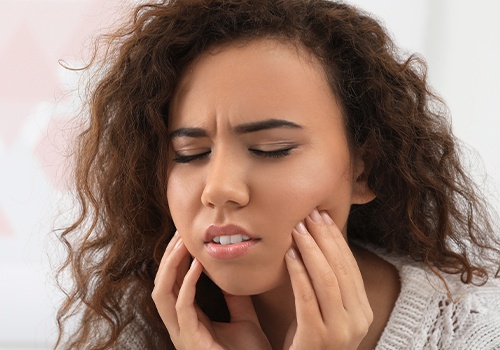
column 243, row 278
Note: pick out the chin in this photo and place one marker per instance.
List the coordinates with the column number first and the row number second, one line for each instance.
column 243, row 284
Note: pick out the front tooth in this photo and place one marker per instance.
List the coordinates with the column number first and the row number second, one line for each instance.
column 235, row 239
column 225, row 240
column 216, row 239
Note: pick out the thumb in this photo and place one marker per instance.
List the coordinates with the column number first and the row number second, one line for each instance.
column 241, row 308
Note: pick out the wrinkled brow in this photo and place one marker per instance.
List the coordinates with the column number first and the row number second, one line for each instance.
column 240, row 129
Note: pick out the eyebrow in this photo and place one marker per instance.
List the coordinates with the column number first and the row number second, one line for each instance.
column 240, row 129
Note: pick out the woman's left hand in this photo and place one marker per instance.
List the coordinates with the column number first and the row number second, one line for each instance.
column 332, row 309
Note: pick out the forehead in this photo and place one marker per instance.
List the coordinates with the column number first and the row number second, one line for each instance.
column 262, row 77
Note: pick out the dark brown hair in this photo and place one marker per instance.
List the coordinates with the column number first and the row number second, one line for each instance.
column 426, row 205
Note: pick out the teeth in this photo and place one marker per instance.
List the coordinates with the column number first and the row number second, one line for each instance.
column 235, row 239
column 224, row 240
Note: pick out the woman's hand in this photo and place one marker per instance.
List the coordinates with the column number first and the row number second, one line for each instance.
column 332, row 309
column 188, row 326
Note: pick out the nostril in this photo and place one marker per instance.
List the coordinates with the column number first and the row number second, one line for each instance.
column 224, row 193
column 226, row 180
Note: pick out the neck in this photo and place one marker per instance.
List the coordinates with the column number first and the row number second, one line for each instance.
column 276, row 308
column 276, row 311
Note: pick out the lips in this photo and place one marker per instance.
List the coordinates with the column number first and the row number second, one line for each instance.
column 226, row 234
column 228, row 241
column 231, row 239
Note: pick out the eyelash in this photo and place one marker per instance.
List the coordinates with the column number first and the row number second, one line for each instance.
column 266, row 154
column 279, row 153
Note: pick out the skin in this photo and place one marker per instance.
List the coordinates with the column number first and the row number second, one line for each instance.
column 307, row 289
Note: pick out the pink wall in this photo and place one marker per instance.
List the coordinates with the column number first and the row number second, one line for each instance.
column 37, row 104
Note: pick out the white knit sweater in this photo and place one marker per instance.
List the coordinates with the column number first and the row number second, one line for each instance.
column 425, row 317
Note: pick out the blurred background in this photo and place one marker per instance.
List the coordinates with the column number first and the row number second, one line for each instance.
column 39, row 98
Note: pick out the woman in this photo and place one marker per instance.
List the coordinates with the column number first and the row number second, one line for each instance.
column 243, row 144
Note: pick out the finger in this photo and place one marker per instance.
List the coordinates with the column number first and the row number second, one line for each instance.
column 241, row 308
column 187, row 314
column 306, row 304
column 339, row 256
column 181, row 272
column 327, row 236
column 323, row 278
column 164, row 295
column 170, row 246
column 183, row 266
column 351, row 262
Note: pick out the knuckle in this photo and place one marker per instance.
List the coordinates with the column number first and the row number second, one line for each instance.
column 341, row 336
column 307, row 296
column 309, row 243
column 179, row 307
column 341, row 268
column 329, row 279
column 361, row 330
column 155, row 295
column 324, row 232
column 369, row 316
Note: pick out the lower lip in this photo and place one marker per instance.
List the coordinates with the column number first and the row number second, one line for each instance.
column 229, row 251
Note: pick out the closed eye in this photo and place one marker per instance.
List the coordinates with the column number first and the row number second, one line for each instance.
column 279, row 153
column 179, row 158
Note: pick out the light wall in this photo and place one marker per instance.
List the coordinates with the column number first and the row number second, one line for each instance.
column 36, row 106
column 460, row 43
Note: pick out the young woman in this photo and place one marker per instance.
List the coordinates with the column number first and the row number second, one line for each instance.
column 272, row 174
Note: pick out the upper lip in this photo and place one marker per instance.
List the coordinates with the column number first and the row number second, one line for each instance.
column 226, row 230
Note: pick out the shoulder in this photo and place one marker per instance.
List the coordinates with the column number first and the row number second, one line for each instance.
column 430, row 314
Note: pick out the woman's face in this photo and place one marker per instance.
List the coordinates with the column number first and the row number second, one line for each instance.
column 257, row 142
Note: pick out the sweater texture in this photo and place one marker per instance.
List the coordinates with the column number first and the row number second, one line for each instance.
column 427, row 316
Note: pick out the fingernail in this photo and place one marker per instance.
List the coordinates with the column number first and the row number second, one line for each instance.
column 193, row 262
column 301, row 228
column 291, row 253
column 176, row 233
column 327, row 218
column 315, row 216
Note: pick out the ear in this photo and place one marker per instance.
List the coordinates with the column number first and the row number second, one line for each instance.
column 361, row 192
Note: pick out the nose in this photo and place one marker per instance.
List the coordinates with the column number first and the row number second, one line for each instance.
column 226, row 183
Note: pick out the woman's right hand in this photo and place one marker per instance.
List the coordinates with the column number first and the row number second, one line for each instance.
column 189, row 328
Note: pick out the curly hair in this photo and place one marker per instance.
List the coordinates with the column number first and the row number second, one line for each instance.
column 426, row 206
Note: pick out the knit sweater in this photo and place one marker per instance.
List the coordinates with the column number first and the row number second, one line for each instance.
column 426, row 317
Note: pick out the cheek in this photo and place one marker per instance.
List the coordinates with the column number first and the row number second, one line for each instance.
column 325, row 184
column 182, row 195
